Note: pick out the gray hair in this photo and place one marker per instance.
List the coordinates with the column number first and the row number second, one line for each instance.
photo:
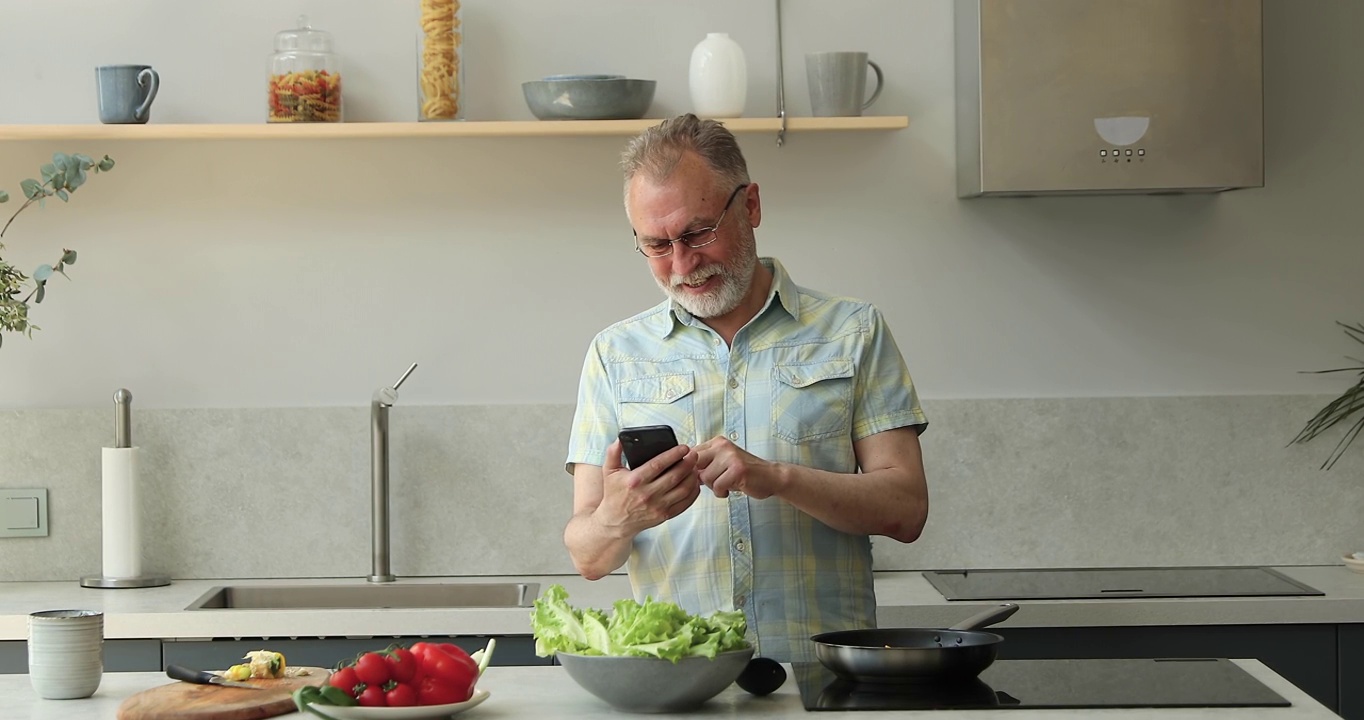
column 656, row 152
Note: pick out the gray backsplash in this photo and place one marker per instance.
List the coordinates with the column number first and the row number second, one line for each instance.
column 481, row 490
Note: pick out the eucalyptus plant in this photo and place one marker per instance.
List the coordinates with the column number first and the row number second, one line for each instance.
column 61, row 177
column 1343, row 408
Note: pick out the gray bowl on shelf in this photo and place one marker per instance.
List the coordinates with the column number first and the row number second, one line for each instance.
column 586, row 97
column 650, row 685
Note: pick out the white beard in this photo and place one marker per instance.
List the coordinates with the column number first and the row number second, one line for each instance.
column 735, row 281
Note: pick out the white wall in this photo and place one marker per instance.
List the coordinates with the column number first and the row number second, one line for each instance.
column 277, row 273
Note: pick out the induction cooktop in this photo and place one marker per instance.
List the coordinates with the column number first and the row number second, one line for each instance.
column 1034, row 684
column 1089, row 583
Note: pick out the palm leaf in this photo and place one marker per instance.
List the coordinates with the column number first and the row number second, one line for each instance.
column 1341, row 409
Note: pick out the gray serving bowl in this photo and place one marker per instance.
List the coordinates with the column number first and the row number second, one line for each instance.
column 588, row 97
column 650, row 685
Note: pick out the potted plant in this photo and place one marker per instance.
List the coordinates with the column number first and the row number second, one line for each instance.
column 61, row 177
column 1349, row 405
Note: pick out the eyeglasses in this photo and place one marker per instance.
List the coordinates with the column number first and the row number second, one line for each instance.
column 697, row 238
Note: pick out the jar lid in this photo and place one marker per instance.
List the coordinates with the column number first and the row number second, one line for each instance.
column 303, row 37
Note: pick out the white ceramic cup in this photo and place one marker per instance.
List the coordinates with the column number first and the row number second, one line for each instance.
column 65, row 653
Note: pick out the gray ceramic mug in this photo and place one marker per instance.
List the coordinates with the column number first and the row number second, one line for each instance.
column 838, row 83
column 126, row 93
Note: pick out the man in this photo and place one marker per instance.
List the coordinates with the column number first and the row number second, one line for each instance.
column 794, row 410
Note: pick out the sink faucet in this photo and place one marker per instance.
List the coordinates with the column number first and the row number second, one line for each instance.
column 378, row 435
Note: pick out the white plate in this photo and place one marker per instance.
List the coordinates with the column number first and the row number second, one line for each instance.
column 416, row 712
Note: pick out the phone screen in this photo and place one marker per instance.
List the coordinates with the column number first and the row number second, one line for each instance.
column 642, row 444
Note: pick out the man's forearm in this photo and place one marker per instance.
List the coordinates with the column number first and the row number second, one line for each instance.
column 595, row 551
column 881, row 502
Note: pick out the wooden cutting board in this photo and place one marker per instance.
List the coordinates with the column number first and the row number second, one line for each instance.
column 187, row 701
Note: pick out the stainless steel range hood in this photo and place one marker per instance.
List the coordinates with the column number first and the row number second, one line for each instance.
column 1080, row 97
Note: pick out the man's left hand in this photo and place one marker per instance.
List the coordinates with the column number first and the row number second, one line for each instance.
column 725, row 468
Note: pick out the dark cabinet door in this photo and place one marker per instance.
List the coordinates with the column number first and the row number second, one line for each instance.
column 329, row 652
column 119, row 656
column 1351, row 672
column 1305, row 655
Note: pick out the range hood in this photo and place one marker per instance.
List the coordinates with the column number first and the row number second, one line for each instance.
column 1088, row 97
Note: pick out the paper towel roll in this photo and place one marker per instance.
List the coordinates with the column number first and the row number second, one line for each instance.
column 122, row 519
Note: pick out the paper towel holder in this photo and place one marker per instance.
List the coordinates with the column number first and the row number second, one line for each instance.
column 123, row 438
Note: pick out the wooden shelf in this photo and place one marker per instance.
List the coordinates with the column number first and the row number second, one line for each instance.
column 512, row 128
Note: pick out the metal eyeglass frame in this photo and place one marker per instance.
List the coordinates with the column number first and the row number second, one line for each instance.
column 699, row 232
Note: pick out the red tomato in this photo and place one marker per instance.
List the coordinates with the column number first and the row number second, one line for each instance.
column 401, row 695
column 372, row 668
column 373, row 696
column 347, row 680
column 402, row 665
column 434, row 692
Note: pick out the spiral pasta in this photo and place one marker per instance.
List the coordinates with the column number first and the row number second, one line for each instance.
column 305, row 96
column 439, row 76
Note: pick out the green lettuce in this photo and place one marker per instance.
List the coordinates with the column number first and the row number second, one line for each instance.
column 651, row 629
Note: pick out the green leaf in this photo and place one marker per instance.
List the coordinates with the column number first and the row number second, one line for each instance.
column 42, row 273
column 66, row 197
column 85, row 160
column 49, row 171
column 106, row 164
column 32, row 188
column 4, row 196
column 42, row 290
column 69, row 257
column 61, row 160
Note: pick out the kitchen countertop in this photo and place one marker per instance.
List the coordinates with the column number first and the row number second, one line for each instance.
column 905, row 599
column 540, row 692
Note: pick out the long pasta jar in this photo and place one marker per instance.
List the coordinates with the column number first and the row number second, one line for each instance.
column 440, row 66
column 305, row 76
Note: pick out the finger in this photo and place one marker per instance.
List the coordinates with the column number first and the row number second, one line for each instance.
column 730, row 480
column 612, row 457
column 656, row 467
column 680, row 505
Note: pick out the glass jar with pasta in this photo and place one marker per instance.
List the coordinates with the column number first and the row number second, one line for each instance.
column 305, row 77
column 440, row 66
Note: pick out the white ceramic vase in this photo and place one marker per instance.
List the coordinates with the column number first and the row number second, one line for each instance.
column 718, row 77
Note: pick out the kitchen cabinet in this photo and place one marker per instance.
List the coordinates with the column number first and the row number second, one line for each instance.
column 152, row 655
column 509, row 128
column 1305, row 655
column 1351, row 674
column 119, row 656
column 328, row 652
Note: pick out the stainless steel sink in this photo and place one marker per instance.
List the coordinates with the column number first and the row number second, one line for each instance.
column 366, row 597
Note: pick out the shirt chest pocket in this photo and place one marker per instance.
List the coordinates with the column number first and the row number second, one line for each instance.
column 812, row 400
column 659, row 400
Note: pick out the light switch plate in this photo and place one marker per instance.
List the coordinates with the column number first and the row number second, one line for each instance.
column 23, row 512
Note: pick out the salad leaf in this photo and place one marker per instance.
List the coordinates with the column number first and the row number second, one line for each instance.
column 649, row 629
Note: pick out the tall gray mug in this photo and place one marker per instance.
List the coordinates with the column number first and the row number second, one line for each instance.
column 126, row 93
column 838, row 83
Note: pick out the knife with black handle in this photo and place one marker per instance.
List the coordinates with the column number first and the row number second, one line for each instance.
column 202, row 677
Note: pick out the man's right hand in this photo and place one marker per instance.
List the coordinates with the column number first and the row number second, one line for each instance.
column 638, row 499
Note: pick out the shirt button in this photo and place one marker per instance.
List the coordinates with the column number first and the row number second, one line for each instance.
column 734, row 436
column 739, row 545
column 733, row 383
column 669, row 394
column 795, row 380
column 739, row 601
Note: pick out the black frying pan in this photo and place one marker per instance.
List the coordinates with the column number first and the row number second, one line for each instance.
column 908, row 655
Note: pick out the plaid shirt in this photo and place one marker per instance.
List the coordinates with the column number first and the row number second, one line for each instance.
column 804, row 379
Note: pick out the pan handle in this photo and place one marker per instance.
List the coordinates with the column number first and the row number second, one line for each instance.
column 989, row 617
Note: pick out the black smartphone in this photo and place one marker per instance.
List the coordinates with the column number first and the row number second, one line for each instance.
column 642, row 444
